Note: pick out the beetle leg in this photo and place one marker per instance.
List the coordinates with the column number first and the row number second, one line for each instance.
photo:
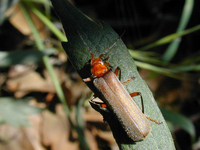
column 132, row 78
column 153, row 120
column 107, row 63
column 137, row 94
column 88, row 79
column 102, row 105
column 93, row 97
column 114, row 43
column 118, row 71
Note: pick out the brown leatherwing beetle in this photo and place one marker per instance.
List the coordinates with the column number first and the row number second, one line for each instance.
column 117, row 98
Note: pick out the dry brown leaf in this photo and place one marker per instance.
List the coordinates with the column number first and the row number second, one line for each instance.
column 19, row 69
column 18, row 20
column 91, row 139
column 49, row 97
column 30, row 82
column 3, row 78
column 55, row 132
column 16, row 139
column 33, row 133
column 106, row 136
column 95, row 120
column 93, row 116
column 74, row 90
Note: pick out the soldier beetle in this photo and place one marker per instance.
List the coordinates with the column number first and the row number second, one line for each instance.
column 117, row 98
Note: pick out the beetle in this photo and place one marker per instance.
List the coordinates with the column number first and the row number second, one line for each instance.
column 117, row 98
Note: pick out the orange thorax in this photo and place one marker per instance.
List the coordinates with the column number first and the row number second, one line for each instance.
column 98, row 67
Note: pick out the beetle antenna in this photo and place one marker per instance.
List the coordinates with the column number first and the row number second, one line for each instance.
column 113, row 44
column 84, row 42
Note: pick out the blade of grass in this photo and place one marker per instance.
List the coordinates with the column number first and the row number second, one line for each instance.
column 46, row 4
column 149, row 57
column 173, row 47
column 173, row 72
column 79, row 117
column 171, row 37
column 55, row 81
column 188, row 68
column 47, row 22
column 165, row 71
column 38, row 1
column 195, row 58
column 179, row 120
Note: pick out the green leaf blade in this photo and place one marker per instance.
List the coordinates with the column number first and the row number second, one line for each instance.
column 14, row 111
column 98, row 38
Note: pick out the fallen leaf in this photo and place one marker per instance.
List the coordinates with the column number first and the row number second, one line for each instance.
column 18, row 20
column 30, row 82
